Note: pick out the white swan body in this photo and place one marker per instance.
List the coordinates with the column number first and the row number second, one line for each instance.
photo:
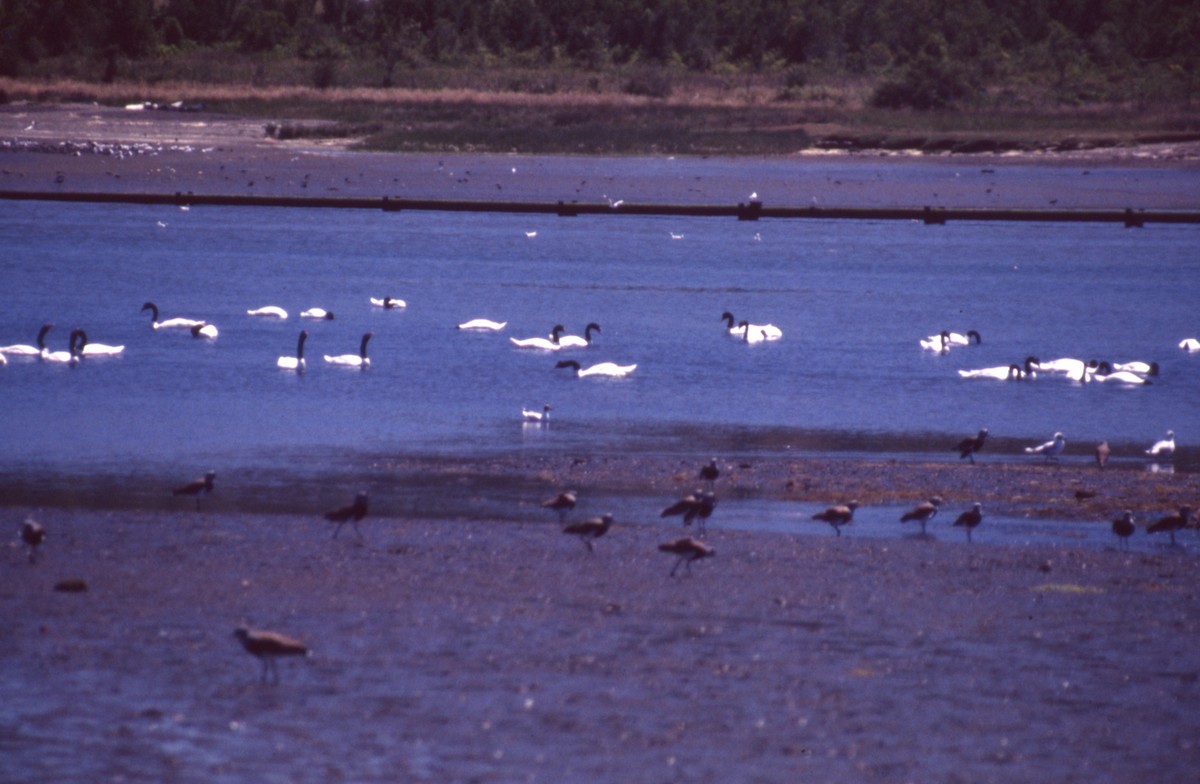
column 610, row 369
column 1190, row 344
column 1077, row 369
column 575, row 341
column 209, row 331
column 959, row 339
column 273, row 311
column 58, row 357
column 483, row 324
column 296, row 362
column 939, row 343
column 1119, row 377
column 1011, row 372
column 354, row 360
column 174, row 323
column 87, row 349
column 317, row 313
column 1141, row 368
column 1049, row 450
column 23, row 349
column 766, row 331
column 388, row 303
column 1164, row 448
column 545, row 344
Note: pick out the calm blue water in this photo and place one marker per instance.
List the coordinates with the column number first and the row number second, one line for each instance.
column 852, row 298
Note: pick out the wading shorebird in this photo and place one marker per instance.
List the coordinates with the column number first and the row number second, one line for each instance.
column 687, row 549
column 590, row 530
column 1172, row 523
column 1124, row 527
column 694, row 506
column 269, row 646
column 33, row 534
column 970, row 519
column 562, row 503
column 837, row 516
column 923, row 512
column 970, row 445
column 349, row 514
column 197, row 487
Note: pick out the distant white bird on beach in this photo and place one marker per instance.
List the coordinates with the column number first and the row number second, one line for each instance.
column 1049, row 450
column 271, row 311
column 482, row 324
column 1165, row 448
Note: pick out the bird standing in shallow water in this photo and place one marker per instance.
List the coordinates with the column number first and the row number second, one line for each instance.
column 1124, row 527
column 349, row 514
column 1164, row 449
column 698, row 505
column 923, row 512
column 688, row 549
column 590, row 530
column 970, row 519
column 197, row 487
column 970, row 445
column 32, row 534
column 837, row 516
column 1172, row 523
column 561, row 503
column 268, row 646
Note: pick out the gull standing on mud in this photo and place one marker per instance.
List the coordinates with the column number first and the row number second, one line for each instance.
column 1164, row 449
column 1049, row 450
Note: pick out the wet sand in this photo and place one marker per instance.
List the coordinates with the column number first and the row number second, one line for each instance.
column 492, row 649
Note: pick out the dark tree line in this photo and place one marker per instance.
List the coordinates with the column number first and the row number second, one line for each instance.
column 930, row 52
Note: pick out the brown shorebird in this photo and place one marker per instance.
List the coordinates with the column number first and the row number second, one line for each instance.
column 268, row 646
column 590, row 530
column 32, row 534
column 837, row 516
column 1124, row 527
column 710, row 472
column 1172, row 523
column 970, row 518
column 698, row 505
column 970, row 445
column 349, row 514
column 688, row 550
column 561, row 503
column 923, row 512
column 198, row 487
column 1102, row 453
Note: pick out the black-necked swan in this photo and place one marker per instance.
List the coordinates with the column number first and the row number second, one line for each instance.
column 388, row 303
column 1164, row 448
column 24, row 349
column 88, row 349
column 545, row 344
column 272, row 311
column 1141, row 368
column 61, row 357
column 959, row 339
column 354, row 360
column 610, row 369
column 317, row 313
column 209, row 331
column 1049, row 450
column 1190, row 344
column 533, row 415
column 1105, row 374
column 1075, row 368
column 939, row 342
column 174, row 323
column 752, row 333
column 767, row 331
column 296, row 362
column 572, row 341
column 1011, row 372
column 483, row 324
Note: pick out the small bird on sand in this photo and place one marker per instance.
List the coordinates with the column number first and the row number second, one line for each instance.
column 923, row 512
column 349, row 514
column 970, row 519
column 710, row 472
column 198, row 487
column 1102, row 453
column 688, row 550
column 698, row 505
column 1124, row 527
column 590, row 530
column 837, row 516
column 561, row 503
column 268, row 646
column 1172, row 523
column 33, row 534
column 1164, row 449
column 970, row 445
column 1049, row 450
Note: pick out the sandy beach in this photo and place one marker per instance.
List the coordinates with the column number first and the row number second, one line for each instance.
column 457, row 645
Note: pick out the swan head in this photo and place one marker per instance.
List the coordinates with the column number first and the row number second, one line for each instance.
column 1153, row 369
column 78, row 335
